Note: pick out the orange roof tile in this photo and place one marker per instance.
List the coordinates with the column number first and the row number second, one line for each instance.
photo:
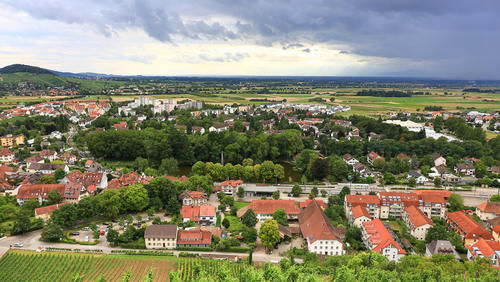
column 417, row 217
column 489, row 207
column 270, row 206
column 468, row 226
column 359, row 211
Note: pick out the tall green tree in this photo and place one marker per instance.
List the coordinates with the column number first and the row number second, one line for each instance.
column 269, row 234
column 249, row 218
column 280, row 216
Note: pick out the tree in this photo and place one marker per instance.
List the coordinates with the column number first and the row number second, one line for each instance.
column 52, row 233
column 338, row 168
column 226, row 223
column 241, row 192
column 324, row 193
column 280, row 216
column 249, row 235
column 389, row 178
column 269, row 234
column 320, row 168
column 113, row 237
column 249, row 218
column 54, row 197
column 412, row 182
column 47, row 180
column 379, row 164
column 141, row 164
column 314, row 191
column 168, row 166
column 59, row 174
column 279, row 172
column 199, row 168
column 495, row 198
column 135, row 198
column 296, row 190
column 456, row 202
column 437, row 232
column 21, row 225
column 437, row 182
column 267, row 170
column 276, row 194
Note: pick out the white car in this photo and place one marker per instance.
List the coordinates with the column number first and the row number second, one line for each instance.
column 18, row 245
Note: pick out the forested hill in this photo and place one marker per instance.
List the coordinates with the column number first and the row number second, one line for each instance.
column 24, row 68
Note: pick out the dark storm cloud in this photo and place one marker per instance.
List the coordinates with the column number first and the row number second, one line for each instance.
column 461, row 35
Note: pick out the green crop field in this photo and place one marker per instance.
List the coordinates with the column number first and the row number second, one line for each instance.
column 53, row 266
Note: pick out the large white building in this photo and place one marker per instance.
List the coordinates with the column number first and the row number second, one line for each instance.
column 378, row 238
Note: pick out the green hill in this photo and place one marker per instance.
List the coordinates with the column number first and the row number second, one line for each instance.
column 24, row 68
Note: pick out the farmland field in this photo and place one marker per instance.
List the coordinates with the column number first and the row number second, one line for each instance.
column 52, row 266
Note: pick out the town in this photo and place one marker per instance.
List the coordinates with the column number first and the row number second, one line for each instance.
column 261, row 182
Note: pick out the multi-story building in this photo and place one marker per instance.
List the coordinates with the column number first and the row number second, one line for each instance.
column 392, row 204
column 469, row 229
column 230, row 187
column 488, row 210
column 40, row 192
column 161, row 236
column 194, row 198
column 194, row 238
column 378, row 238
column 485, row 249
column 370, row 202
column 358, row 215
column 6, row 155
column 317, row 230
column 204, row 214
column 417, row 222
column 11, row 140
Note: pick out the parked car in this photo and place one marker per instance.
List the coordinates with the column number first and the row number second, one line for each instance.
column 18, row 245
column 114, row 220
column 105, row 223
column 86, row 228
column 74, row 233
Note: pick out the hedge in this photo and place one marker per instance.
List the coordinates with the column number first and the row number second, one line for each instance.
column 148, row 253
column 192, row 255
column 236, row 250
column 196, row 249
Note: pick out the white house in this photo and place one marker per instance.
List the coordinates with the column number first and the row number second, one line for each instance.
column 417, row 222
column 377, row 238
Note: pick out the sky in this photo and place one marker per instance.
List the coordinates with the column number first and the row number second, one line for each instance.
column 409, row 38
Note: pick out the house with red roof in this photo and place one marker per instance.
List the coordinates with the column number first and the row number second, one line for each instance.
column 90, row 180
column 194, row 198
column 264, row 209
column 6, row 155
column 485, row 249
column 417, row 222
column 33, row 159
column 38, row 192
column 230, row 187
column 120, row 126
column 393, row 203
column 316, row 228
column 488, row 210
column 204, row 214
column 378, row 238
column 51, row 155
column 358, row 215
column 371, row 157
column 45, row 212
column 468, row 228
column 370, row 202
column 194, row 238
column 67, row 157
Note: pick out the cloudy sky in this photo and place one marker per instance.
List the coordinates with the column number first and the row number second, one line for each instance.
column 424, row 38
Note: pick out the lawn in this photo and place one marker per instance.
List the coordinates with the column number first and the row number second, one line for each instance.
column 236, row 226
column 240, row 205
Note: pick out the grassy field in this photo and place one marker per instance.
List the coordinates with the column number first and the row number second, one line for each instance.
column 52, row 266
column 240, row 205
column 236, row 225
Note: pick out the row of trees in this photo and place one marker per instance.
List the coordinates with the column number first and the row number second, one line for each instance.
column 267, row 171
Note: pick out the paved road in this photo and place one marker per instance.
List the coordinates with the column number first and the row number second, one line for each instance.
column 31, row 241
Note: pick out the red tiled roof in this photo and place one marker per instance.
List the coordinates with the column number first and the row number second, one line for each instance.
column 359, row 211
column 270, row 206
column 417, row 217
column 5, row 152
column 380, row 237
column 47, row 153
column 315, row 225
column 373, row 155
column 34, row 190
column 304, row 204
column 197, row 195
column 408, row 198
column 194, row 213
column 34, row 159
column 48, row 209
column 181, row 179
column 362, row 200
column 487, row 248
column 468, row 226
column 233, row 183
column 489, row 207
column 194, row 237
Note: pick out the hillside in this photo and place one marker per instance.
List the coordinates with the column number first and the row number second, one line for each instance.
column 23, row 68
